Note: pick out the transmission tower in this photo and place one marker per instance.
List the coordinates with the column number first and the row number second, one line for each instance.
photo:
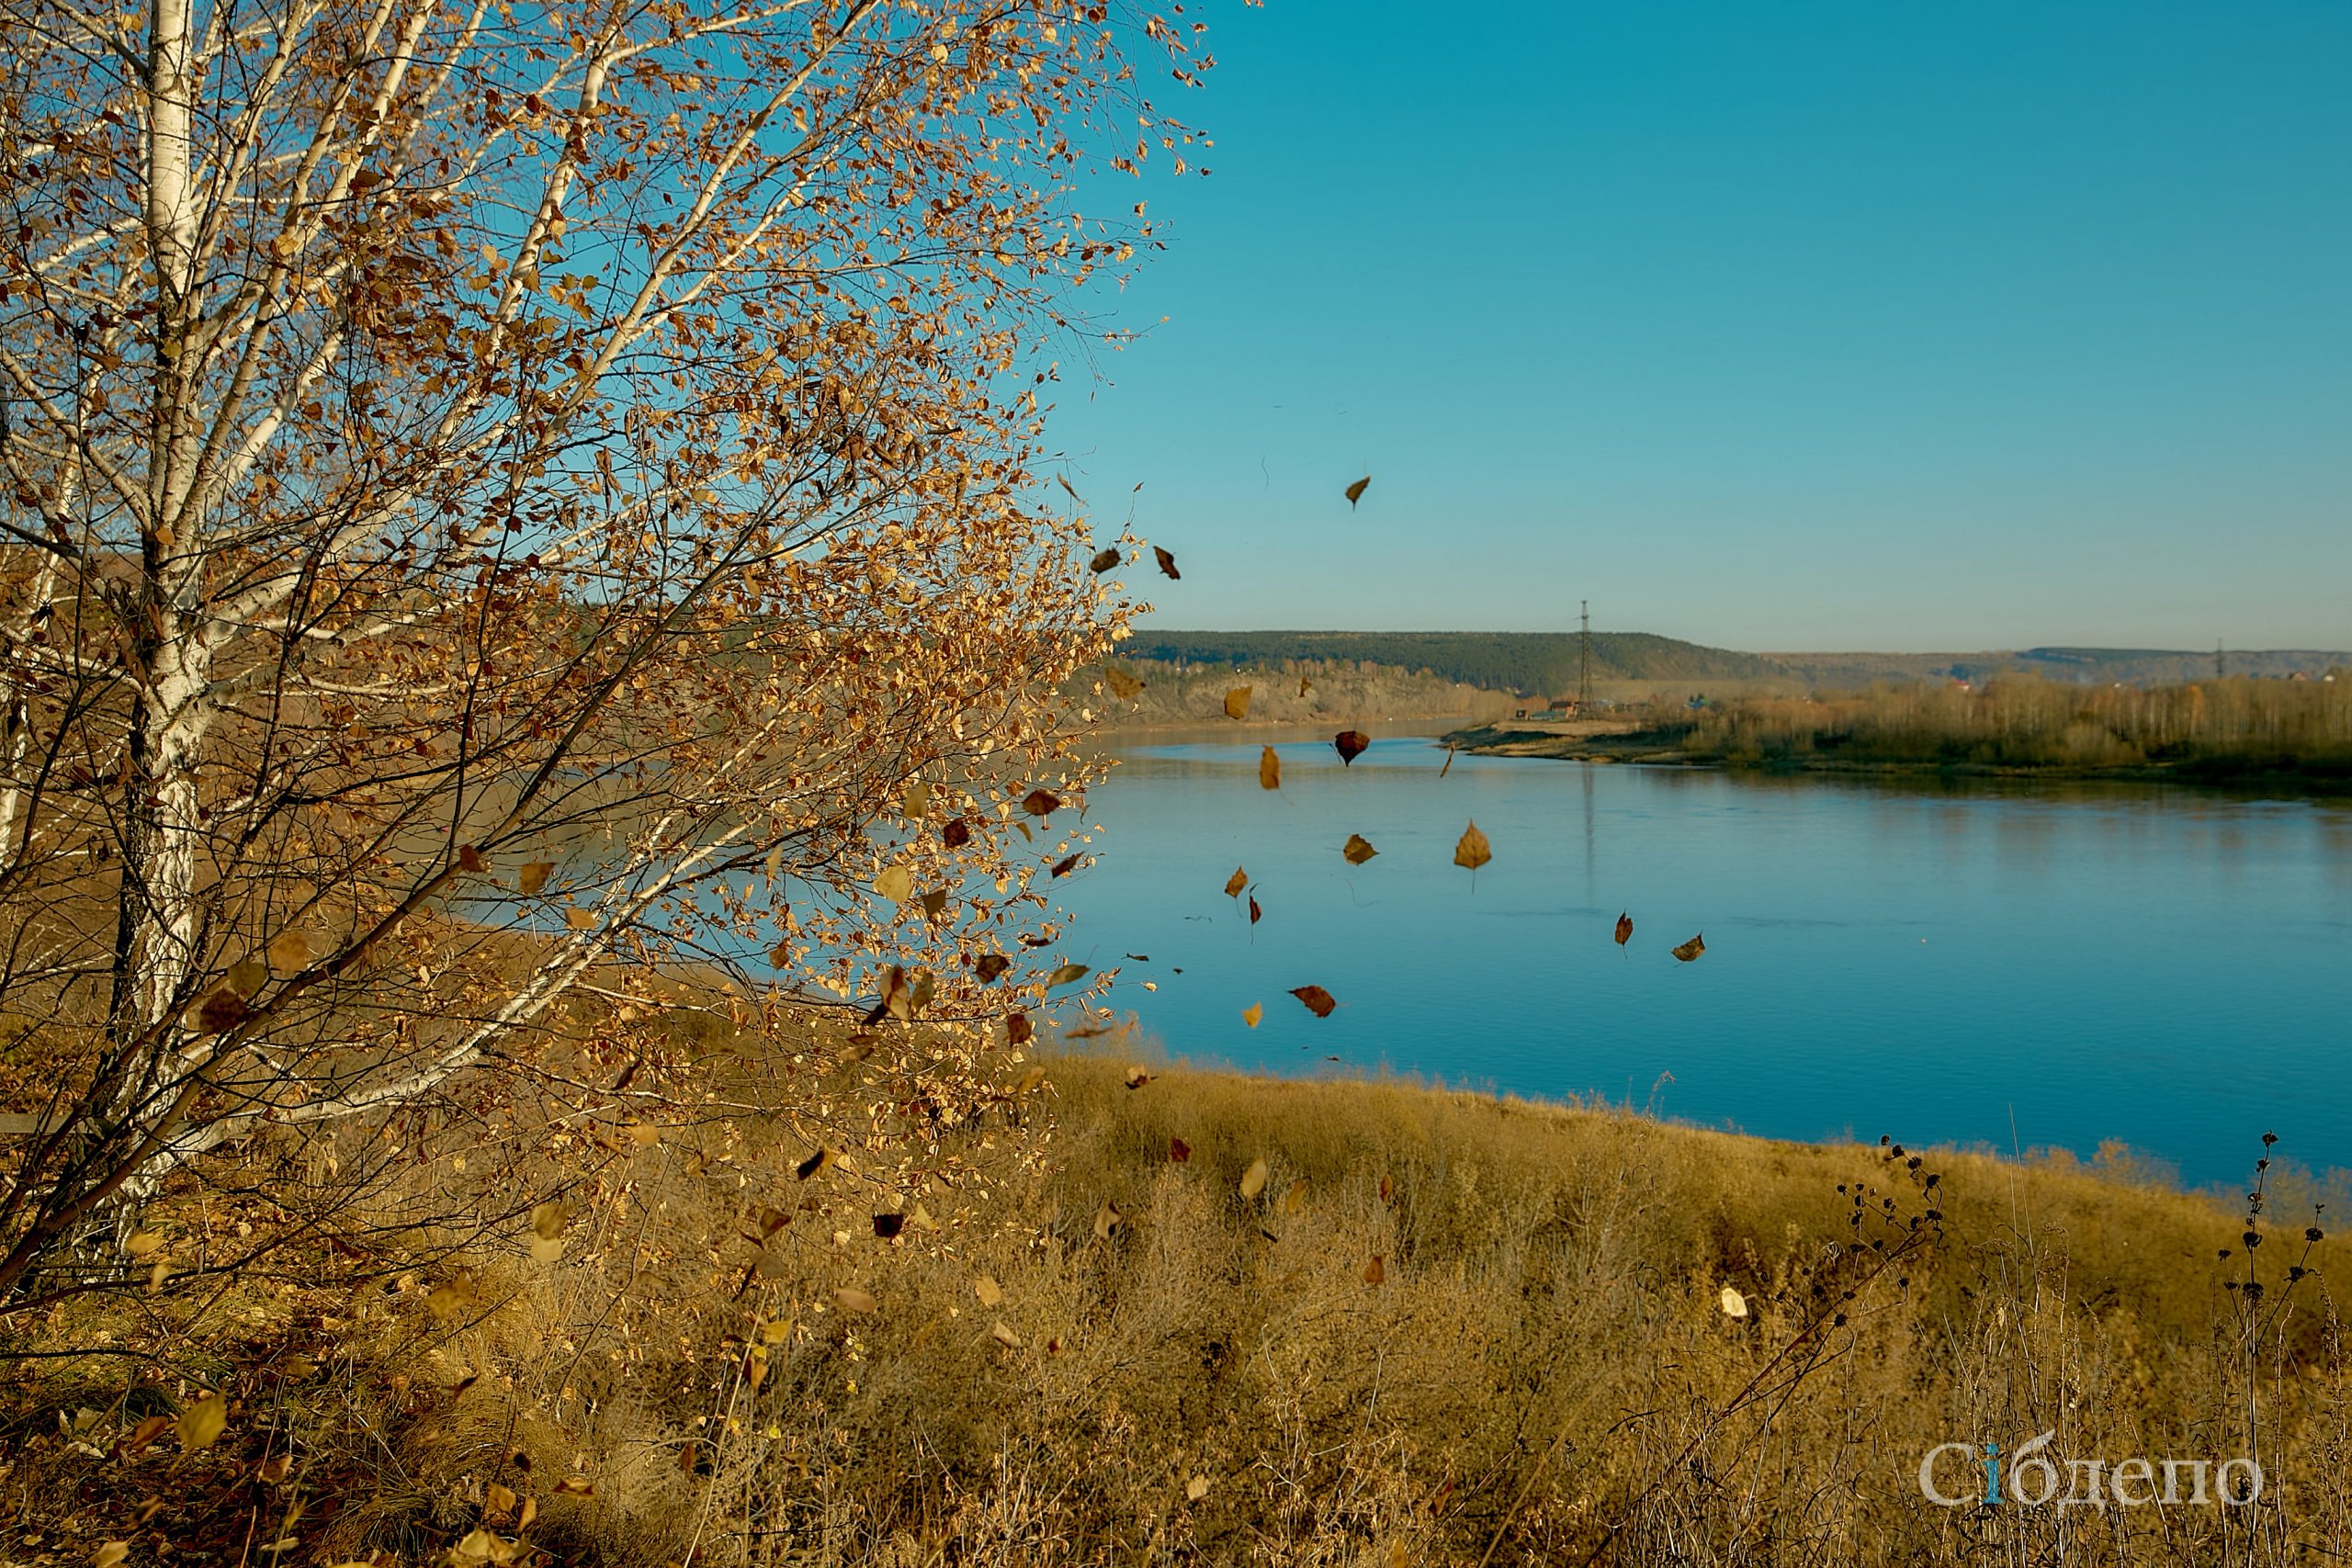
column 1584, row 656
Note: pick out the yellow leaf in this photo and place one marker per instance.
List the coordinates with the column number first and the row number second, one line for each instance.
column 1122, row 683
column 546, row 1220
column 533, row 877
column 580, row 919
column 111, row 1555
column 142, row 1242
column 1005, row 1336
column 1734, row 1304
column 849, row 1298
column 1196, row 1488
column 644, row 1134
column 916, row 805
column 1252, row 1013
column 1237, row 702
column 1253, row 1181
column 1358, row 849
column 1236, row 882
column 1270, row 770
column 1692, row 949
column 247, row 975
column 1472, row 851
column 895, row 883
column 988, row 1291
column 289, row 951
column 546, row 1248
column 202, row 1423
column 1106, row 1219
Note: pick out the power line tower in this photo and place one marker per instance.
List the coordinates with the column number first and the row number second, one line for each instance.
column 1584, row 656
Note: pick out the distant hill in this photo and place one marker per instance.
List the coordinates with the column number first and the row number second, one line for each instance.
column 2101, row 666
column 1529, row 663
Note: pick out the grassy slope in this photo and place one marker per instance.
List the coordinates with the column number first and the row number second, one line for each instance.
column 1544, row 1354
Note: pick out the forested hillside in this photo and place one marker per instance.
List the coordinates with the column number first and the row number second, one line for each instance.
column 1529, row 663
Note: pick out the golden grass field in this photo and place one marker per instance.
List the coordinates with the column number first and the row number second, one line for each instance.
column 1439, row 1328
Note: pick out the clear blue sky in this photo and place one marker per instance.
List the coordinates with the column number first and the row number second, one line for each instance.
column 1775, row 326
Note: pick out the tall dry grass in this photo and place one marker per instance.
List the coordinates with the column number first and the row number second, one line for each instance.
column 1439, row 1328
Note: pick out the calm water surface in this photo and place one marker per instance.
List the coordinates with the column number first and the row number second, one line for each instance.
column 1973, row 964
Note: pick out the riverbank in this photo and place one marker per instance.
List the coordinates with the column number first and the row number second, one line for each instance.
column 1201, row 1316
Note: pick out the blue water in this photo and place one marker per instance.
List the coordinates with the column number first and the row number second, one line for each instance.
column 1974, row 964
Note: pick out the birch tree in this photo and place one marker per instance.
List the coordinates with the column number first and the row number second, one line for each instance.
column 501, row 499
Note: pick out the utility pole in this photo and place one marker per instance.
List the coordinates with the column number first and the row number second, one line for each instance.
column 1584, row 658
column 2220, row 670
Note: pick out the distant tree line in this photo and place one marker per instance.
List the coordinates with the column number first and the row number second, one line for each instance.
column 1527, row 663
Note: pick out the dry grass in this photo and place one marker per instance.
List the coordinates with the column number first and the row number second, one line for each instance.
column 1543, row 1368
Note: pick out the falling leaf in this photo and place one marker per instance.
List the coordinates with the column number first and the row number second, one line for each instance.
column 1237, row 702
column 220, row 1012
column 1027, row 940
column 1122, row 683
column 289, row 951
column 546, row 1220
column 1041, row 802
column 1196, row 1488
column 1692, row 949
column 1062, row 867
column 1350, row 744
column 988, row 965
column 1167, row 563
column 933, row 902
column 110, row 1555
column 1005, row 1336
column 1137, row 1076
column 1064, row 481
column 1387, row 1189
column 1270, row 770
column 1253, row 1181
column 1734, row 1304
column 1178, row 1151
column 576, row 1486
column 1066, row 975
column 1449, row 763
column 533, row 878
column 1358, row 849
column 956, row 834
column 1018, row 1029
column 1106, row 1219
column 469, row 859
column 202, row 1423
column 915, row 804
column 1624, row 929
column 1355, row 490
column 1305, row 685
column 1140, row 957
column 247, row 976
column 546, row 1249
column 1318, row 1000
column 988, row 1291
column 813, row 1164
column 849, row 1298
column 1254, row 911
column 1295, row 1198
column 1105, row 561
column 1252, row 1013
column 1030, row 1080
column 580, row 919
column 1236, row 882
column 780, row 956
column 895, row 883
column 887, row 1226
column 1376, row 1270
column 1472, row 851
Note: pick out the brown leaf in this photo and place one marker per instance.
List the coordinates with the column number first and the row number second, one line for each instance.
column 290, row 950
column 1624, row 929
column 1064, row 481
column 1318, row 1000
column 813, row 1164
column 849, row 1298
column 1472, row 851
column 146, row 1432
column 1237, row 702
column 1167, row 563
column 1253, row 1181
column 1350, row 744
column 1122, row 683
column 1137, row 1076
column 1062, row 867
column 247, row 976
column 532, row 879
column 1358, row 849
column 1692, row 949
column 988, row 965
column 1107, row 560
column 1236, row 882
column 1005, row 1336
column 576, row 1486
column 1178, row 1151
column 220, row 1012
column 933, row 902
column 1387, row 1189
column 1067, row 974
column 469, row 859
column 546, row 1220
column 1270, row 770
column 1041, row 802
column 1355, row 490
column 1254, row 911
column 1449, row 763
column 1018, row 1029
column 780, row 956
column 887, row 1227
column 1305, row 685
column 956, row 834
column 1376, row 1270
column 1106, row 1219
